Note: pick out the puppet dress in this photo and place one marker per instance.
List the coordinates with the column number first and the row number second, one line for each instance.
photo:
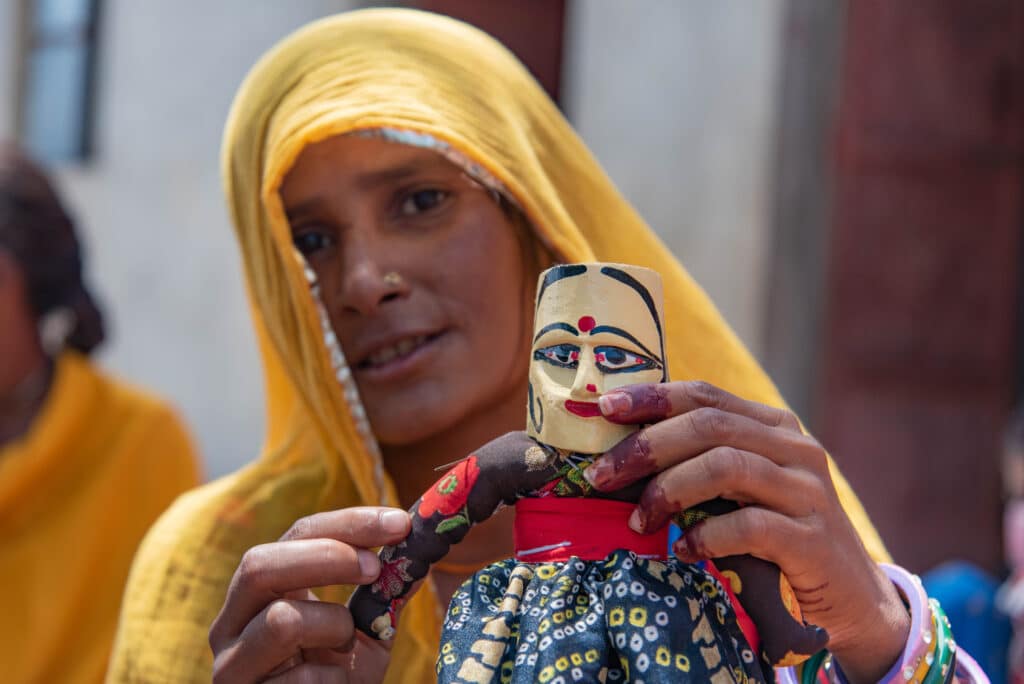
column 586, row 611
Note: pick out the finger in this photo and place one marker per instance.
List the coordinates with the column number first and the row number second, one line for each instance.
column 363, row 526
column 301, row 595
column 315, row 549
column 749, row 530
column 370, row 655
column 724, row 472
column 311, row 673
column 329, row 656
column 651, row 403
column 272, row 571
column 682, row 437
column 281, row 632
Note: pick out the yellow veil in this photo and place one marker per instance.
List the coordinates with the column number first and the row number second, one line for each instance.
column 414, row 71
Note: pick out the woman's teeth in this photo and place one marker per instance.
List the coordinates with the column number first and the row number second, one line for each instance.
column 401, row 348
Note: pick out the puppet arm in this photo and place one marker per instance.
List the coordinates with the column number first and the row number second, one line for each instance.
column 766, row 595
column 470, row 492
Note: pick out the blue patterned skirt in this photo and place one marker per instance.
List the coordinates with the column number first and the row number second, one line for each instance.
column 622, row 619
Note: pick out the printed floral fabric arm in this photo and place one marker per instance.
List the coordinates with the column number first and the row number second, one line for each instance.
column 498, row 473
column 765, row 594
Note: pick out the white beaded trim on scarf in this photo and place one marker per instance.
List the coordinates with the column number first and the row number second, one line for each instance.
column 472, row 169
column 348, row 385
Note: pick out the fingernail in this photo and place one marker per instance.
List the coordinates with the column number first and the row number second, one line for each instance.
column 596, row 473
column 636, row 522
column 685, row 552
column 615, row 403
column 369, row 565
column 394, row 522
column 682, row 551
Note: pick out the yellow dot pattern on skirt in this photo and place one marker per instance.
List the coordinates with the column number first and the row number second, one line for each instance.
column 622, row 619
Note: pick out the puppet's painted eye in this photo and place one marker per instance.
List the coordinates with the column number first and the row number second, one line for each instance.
column 561, row 355
column 616, row 360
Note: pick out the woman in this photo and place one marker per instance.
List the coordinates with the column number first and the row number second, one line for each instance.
column 87, row 463
column 397, row 180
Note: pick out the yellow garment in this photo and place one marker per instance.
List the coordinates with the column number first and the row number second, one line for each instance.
column 406, row 70
column 77, row 493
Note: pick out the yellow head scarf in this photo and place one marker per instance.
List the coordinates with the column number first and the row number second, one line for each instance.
column 413, row 71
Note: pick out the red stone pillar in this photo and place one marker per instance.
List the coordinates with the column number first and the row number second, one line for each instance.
column 532, row 29
column 920, row 354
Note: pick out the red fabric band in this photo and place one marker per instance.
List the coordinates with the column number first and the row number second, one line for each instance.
column 553, row 529
column 742, row 616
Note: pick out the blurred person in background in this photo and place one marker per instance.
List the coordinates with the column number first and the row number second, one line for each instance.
column 87, row 462
column 969, row 596
column 397, row 181
column 1011, row 595
column 988, row 619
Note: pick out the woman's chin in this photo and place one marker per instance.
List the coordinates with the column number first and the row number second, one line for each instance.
column 412, row 419
column 404, row 423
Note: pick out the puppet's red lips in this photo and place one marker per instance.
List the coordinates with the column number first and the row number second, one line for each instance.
column 585, row 409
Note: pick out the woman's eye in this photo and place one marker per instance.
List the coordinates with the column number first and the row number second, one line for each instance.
column 561, row 355
column 310, row 242
column 615, row 360
column 421, row 201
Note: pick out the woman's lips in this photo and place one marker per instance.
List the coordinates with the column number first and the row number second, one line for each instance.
column 395, row 361
column 584, row 409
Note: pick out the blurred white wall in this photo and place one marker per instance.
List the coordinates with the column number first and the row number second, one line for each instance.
column 8, row 65
column 677, row 100
column 675, row 97
column 161, row 254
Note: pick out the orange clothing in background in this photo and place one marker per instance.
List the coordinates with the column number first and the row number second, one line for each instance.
column 77, row 493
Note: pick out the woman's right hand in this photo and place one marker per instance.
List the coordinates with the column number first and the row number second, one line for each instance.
column 273, row 628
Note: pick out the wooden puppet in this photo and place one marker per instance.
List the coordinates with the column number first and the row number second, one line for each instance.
column 585, row 598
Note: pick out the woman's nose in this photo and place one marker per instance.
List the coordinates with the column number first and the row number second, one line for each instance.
column 368, row 282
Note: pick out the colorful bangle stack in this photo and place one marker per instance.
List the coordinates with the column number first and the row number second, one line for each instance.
column 930, row 656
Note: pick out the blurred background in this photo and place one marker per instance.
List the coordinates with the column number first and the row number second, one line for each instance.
column 845, row 179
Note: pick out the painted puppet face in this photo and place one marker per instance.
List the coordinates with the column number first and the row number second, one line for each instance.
column 596, row 327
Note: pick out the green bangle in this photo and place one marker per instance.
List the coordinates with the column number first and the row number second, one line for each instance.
column 809, row 674
column 938, row 668
column 945, row 647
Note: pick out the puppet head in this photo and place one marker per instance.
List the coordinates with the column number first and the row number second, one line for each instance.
column 596, row 327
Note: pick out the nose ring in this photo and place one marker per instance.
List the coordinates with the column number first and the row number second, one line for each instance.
column 394, row 279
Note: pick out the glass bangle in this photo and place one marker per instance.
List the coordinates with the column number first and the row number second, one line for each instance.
column 945, row 647
column 924, row 665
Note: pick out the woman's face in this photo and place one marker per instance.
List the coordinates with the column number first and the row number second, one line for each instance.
column 422, row 277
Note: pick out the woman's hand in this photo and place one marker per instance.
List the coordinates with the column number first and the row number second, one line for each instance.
column 272, row 627
column 704, row 443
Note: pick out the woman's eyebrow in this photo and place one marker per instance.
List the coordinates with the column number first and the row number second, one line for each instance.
column 397, row 174
column 303, row 208
column 369, row 181
column 555, row 326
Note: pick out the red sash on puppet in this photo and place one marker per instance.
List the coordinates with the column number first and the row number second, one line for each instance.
column 553, row 529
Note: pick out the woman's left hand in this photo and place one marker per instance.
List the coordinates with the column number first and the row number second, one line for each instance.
column 702, row 443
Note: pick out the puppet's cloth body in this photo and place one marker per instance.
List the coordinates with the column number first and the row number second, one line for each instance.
column 611, row 615
column 623, row 618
